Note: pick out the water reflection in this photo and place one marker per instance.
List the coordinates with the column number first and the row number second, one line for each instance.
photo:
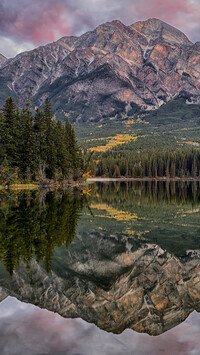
column 33, row 224
column 27, row 330
column 149, row 192
column 133, row 264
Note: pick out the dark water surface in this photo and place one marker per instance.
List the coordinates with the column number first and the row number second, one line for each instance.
column 112, row 269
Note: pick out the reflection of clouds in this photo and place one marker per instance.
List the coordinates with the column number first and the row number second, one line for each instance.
column 11, row 306
column 27, row 330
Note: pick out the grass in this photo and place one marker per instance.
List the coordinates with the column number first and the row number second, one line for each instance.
column 119, row 139
column 172, row 126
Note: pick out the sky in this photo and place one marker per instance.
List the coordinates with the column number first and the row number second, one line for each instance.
column 27, row 24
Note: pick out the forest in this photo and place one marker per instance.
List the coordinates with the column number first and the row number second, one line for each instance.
column 182, row 163
column 37, row 148
column 34, row 147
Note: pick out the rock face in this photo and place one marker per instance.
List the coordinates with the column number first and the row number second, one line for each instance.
column 2, row 59
column 146, row 289
column 103, row 72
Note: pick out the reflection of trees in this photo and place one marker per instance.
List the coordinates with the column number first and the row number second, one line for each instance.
column 167, row 212
column 33, row 223
column 150, row 192
column 30, row 228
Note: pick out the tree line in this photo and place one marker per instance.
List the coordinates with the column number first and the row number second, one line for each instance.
column 181, row 163
column 34, row 147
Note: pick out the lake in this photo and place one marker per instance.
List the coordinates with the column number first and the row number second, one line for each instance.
column 111, row 268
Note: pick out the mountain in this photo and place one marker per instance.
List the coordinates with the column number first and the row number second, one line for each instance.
column 2, row 59
column 106, row 71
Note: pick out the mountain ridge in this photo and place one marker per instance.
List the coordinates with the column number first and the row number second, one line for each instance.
column 3, row 59
column 102, row 72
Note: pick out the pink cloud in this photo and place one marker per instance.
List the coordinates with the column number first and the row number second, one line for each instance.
column 182, row 14
column 46, row 27
column 38, row 22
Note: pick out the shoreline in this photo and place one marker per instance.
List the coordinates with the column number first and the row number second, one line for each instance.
column 38, row 186
column 141, row 179
column 90, row 180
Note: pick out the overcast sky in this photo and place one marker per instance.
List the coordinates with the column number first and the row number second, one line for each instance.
column 26, row 24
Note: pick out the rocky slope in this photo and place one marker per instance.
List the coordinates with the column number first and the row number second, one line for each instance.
column 105, row 71
column 146, row 289
column 2, row 59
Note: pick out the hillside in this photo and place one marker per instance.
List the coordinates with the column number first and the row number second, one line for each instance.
column 105, row 71
column 174, row 125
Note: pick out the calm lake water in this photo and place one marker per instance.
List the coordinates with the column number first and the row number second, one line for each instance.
column 111, row 269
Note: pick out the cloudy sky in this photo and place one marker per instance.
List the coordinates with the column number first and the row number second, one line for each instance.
column 26, row 24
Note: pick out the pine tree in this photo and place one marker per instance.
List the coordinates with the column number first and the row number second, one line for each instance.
column 50, row 150
column 28, row 149
column 40, row 136
column 62, row 153
column 9, row 132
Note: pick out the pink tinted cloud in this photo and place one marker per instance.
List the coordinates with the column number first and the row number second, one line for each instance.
column 182, row 14
column 55, row 18
column 41, row 21
column 45, row 27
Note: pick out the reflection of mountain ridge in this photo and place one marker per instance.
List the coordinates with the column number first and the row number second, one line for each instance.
column 124, row 268
column 152, row 291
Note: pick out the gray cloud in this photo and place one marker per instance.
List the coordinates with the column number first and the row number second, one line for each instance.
column 28, row 23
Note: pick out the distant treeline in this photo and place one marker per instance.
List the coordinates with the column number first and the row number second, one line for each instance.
column 181, row 163
column 34, row 147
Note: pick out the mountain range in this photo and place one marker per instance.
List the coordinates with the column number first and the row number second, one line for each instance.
column 107, row 71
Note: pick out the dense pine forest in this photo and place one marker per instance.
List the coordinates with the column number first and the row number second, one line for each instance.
column 36, row 148
column 181, row 163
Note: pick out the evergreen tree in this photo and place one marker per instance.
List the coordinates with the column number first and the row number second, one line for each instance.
column 35, row 147
column 9, row 132
column 28, row 149
column 50, row 126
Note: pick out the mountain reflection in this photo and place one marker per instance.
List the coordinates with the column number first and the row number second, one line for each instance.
column 134, row 262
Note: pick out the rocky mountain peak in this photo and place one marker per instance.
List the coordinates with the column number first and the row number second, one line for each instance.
column 113, row 23
column 154, row 28
column 102, row 72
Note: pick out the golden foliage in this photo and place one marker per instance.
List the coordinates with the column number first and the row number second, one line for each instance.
column 114, row 141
